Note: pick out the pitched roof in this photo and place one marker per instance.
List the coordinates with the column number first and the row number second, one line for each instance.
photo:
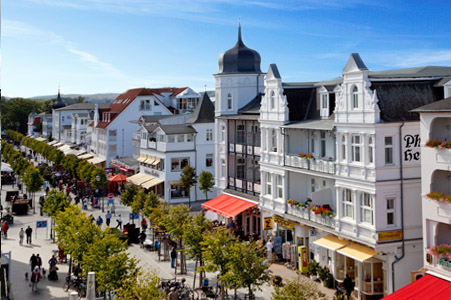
column 355, row 63
column 438, row 106
column 83, row 106
column 204, row 112
column 177, row 129
column 301, row 102
column 273, row 72
column 253, row 106
column 428, row 71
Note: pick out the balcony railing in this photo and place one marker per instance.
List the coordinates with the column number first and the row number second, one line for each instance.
column 306, row 214
column 314, row 164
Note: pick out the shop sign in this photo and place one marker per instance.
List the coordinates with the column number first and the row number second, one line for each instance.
column 152, row 172
column 267, row 223
column 303, row 262
column 389, row 235
column 281, row 221
column 445, row 262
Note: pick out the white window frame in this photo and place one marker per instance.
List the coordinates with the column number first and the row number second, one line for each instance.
column 355, row 97
column 323, row 143
column 171, row 138
column 343, row 148
column 273, row 100
column 222, row 133
column 356, row 147
column 348, row 203
column 312, row 185
column 209, row 135
column 391, row 209
column 229, row 101
column 367, row 208
column 279, row 183
column 273, row 140
column 324, row 101
column 268, row 183
column 190, row 137
column 180, row 138
column 223, row 168
column 209, row 160
column 180, row 161
column 388, row 150
column 371, row 149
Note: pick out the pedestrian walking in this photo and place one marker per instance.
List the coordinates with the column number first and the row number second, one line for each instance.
column 119, row 222
column 21, row 236
column 33, row 262
column 38, row 262
column 5, row 228
column 107, row 218
column 85, row 203
column 144, row 224
column 99, row 221
column 113, row 209
column 270, row 248
column 28, row 232
column 142, row 238
column 35, row 278
column 348, row 285
column 173, row 257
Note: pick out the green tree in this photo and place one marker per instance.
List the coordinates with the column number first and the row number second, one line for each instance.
column 139, row 201
column 98, row 178
column 206, row 182
column 141, row 286
column 33, row 180
column 297, row 290
column 151, row 203
column 129, row 194
column 55, row 203
column 248, row 266
column 217, row 255
column 15, row 113
column 193, row 237
column 187, row 180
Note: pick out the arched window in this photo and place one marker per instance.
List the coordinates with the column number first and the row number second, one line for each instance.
column 355, row 97
column 273, row 100
column 229, row 101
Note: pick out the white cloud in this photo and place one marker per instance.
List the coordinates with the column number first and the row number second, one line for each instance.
column 404, row 59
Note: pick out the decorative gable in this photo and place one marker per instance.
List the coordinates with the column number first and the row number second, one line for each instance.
column 274, row 106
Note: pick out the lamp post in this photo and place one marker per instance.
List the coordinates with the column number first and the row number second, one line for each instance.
column 98, row 180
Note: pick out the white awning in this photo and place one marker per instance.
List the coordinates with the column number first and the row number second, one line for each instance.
column 96, row 160
column 85, row 156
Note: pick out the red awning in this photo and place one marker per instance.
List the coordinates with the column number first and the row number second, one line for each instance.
column 427, row 287
column 227, row 206
column 120, row 167
column 118, row 178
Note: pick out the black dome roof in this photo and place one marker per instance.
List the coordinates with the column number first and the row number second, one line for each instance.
column 58, row 103
column 239, row 59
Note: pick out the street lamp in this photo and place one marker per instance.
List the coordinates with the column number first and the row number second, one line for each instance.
column 98, row 180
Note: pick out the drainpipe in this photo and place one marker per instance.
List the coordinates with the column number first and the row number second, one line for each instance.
column 195, row 166
column 397, row 259
column 282, row 132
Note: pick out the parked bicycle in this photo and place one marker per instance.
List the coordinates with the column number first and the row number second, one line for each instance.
column 77, row 284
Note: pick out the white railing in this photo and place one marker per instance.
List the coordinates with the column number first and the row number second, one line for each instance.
column 306, row 214
column 314, row 164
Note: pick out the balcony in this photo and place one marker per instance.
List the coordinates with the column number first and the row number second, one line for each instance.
column 307, row 214
column 314, row 164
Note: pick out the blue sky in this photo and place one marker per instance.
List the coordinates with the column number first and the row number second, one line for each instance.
column 97, row 46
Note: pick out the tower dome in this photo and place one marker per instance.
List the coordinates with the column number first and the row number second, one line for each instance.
column 58, row 103
column 239, row 59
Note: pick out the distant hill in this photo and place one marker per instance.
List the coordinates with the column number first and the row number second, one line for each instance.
column 94, row 98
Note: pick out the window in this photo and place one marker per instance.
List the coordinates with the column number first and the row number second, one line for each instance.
column 177, row 191
column 388, row 140
column 209, row 160
column 355, row 97
column 160, row 138
column 312, row 185
column 348, row 204
column 240, row 168
column 171, row 139
column 62, row 118
column 155, row 103
column 145, row 105
column 370, row 150
column 268, row 183
column 209, row 135
column 323, row 143
column 240, row 134
column 177, row 164
column 223, row 168
column 189, row 137
column 343, row 148
column 324, row 101
column 355, row 149
column 366, row 208
column 312, row 145
column 273, row 140
column 222, row 133
column 279, row 182
column 180, row 138
column 229, row 101
column 391, row 211
column 273, row 100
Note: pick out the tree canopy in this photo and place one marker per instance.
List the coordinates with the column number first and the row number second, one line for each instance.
column 206, row 182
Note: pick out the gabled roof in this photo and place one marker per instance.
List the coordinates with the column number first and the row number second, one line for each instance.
column 177, row 129
column 428, row 71
column 253, row 107
column 204, row 112
column 83, row 106
column 438, row 106
column 273, row 72
column 355, row 63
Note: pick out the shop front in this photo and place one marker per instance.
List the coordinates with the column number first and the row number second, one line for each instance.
column 240, row 215
column 326, row 253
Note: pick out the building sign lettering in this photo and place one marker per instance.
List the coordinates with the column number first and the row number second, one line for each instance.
column 152, row 172
column 411, row 145
column 389, row 235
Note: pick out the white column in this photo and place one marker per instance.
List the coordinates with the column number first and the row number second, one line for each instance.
column 73, row 296
column 91, row 286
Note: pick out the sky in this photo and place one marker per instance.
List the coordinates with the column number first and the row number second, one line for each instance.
column 110, row 46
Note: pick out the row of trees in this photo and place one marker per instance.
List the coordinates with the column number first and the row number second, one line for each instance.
column 30, row 175
column 78, row 168
column 99, row 251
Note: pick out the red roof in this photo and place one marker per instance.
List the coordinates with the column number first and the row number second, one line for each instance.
column 227, row 205
column 427, row 287
column 123, row 100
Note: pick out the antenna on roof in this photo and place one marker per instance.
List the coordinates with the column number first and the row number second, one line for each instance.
column 59, row 87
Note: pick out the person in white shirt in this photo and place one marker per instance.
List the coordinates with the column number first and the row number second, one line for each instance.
column 119, row 222
column 269, row 248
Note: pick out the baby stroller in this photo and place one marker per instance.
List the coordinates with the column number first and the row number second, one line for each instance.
column 53, row 275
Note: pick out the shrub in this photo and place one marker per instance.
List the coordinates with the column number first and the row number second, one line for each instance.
column 436, row 196
column 446, row 145
column 434, row 143
column 312, row 267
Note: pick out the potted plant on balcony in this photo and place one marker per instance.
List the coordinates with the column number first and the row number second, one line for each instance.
column 434, row 143
column 312, row 268
column 435, row 196
column 302, row 155
column 329, row 281
column 443, row 250
column 446, row 145
column 309, row 155
column 448, row 198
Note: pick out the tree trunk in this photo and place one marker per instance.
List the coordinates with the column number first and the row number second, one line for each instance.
column 201, row 273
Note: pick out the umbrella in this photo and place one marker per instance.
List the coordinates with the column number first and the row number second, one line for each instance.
column 118, row 178
column 6, row 168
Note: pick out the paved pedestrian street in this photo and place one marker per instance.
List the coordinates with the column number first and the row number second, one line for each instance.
column 43, row 245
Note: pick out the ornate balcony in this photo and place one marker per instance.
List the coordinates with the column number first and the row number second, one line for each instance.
column 308, row 215
column 313, row 164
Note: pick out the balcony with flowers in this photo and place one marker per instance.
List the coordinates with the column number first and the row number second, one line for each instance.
column 309, row 162
column 320, row 214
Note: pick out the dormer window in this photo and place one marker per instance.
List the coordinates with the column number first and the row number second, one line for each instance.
column 355, row 97
column 273, row 100
column 324, row 101
column 229, row 101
